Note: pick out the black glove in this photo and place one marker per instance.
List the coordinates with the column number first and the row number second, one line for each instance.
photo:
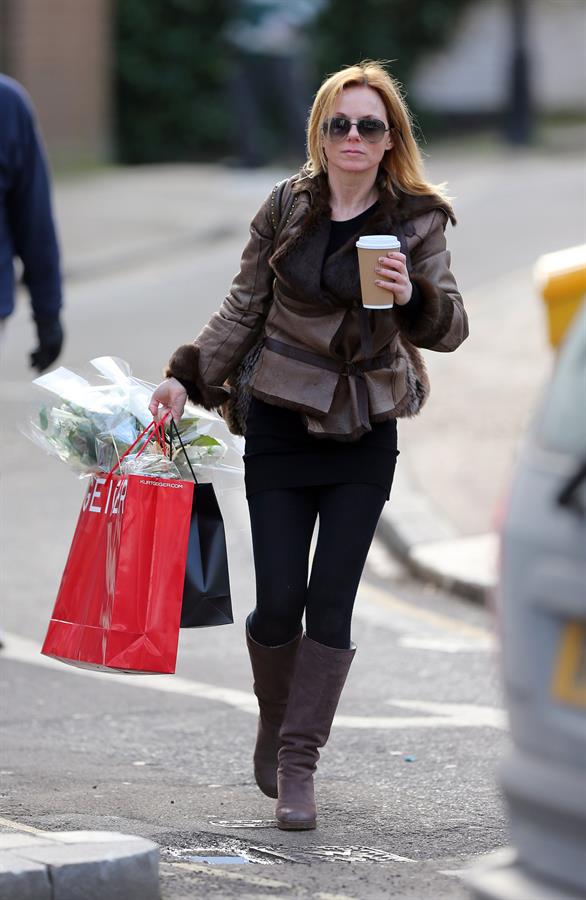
column 50, row 335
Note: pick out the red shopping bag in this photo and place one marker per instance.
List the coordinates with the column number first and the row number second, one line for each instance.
column 119, row 602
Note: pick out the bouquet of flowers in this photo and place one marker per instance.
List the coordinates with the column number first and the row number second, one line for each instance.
column 91, row 426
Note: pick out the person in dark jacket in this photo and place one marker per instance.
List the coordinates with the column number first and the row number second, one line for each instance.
column 27, row 228
column 269, row 77
column 331, row 381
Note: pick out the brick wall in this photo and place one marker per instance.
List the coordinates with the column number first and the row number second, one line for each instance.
column 60, row 51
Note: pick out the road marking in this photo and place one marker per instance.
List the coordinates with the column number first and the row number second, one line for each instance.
column 455, row 873
column 447, row 644
column 441, row 715
column 463, row 715
column 390, row 603
column 325, row 896
column 25, row 650
column 255, row 880
column 18, row 826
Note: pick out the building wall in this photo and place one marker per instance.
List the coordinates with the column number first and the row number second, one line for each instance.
column 60, row 51
column 471, row 75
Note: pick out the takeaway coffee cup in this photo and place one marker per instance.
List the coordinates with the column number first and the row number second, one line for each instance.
column 370, row 247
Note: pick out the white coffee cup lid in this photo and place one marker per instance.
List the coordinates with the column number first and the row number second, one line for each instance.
column 378, row 242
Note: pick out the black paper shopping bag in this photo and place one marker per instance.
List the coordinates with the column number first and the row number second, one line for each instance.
column 206, row 593
column 206, row 590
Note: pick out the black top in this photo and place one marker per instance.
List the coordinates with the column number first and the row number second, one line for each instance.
column 343, row 231
column 281, row 454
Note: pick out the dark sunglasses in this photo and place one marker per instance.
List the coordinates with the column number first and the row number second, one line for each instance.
column 370, row 130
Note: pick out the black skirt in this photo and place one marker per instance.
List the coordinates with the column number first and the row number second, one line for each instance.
column 279, row 453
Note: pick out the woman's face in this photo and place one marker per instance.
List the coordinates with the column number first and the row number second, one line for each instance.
column 353, row 153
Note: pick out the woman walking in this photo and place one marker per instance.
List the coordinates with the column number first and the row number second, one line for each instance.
column 327, row 384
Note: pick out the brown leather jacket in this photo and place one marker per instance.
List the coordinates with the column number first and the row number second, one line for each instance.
column 341, row 366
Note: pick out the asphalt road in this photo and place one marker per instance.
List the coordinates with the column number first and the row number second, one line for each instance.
column 406, row 786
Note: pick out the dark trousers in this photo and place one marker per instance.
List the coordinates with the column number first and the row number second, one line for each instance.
column 282, row 523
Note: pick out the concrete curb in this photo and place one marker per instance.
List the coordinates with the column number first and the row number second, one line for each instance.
column 77, row 865
column 431, row 549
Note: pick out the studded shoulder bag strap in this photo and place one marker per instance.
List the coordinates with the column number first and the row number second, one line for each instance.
column 235, row 410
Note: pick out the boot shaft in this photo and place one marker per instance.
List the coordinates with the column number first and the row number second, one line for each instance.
column 319, row 677
column 272, row 670
column 317, row 683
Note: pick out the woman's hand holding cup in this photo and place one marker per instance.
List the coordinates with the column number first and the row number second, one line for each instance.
column 169, row 397
column 379, row 255
column 393, row 269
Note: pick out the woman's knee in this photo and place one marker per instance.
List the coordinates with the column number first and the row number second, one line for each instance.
column 274, row 627
column 330, row 625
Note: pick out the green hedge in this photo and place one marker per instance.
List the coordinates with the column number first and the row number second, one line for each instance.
column 172, row 64
column 170, row 73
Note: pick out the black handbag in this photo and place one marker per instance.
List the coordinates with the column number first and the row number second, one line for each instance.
column 206, row 591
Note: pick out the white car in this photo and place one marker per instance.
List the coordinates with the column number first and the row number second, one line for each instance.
column 541, row 617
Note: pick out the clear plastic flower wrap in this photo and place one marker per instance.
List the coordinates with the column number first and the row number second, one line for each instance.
column 90, row 423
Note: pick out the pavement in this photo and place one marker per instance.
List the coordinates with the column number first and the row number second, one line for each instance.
column 456, row 458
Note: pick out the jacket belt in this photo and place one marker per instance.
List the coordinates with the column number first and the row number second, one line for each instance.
column 326, row 362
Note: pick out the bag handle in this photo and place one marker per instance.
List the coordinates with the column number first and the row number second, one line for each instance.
column 157, row 429
column 172, row 426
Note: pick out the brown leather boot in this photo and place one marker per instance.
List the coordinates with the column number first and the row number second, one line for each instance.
column 272, row 668
column 320, row 673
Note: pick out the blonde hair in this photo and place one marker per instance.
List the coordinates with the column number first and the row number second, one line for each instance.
column 402, row 166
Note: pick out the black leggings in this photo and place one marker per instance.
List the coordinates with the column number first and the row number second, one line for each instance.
column 282, row 524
